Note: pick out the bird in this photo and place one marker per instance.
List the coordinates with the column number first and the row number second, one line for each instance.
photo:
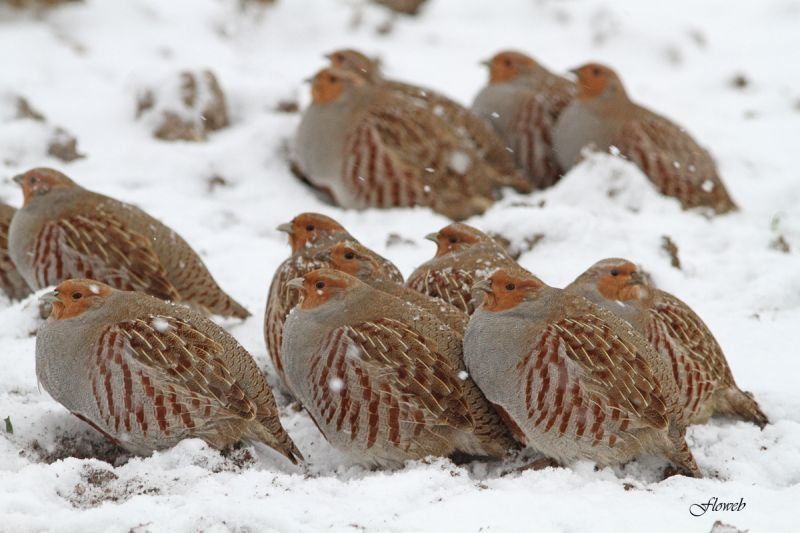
column 361, row 262
column 383, row 379
column 471, row 128
column 11, row 283
column 464, row 255
column 368, row 147
column 522, row 102
column 698, row 364
column 605, row 119
column 572, row 380
column 309, row 233
column 64, row 231
column 147, row 373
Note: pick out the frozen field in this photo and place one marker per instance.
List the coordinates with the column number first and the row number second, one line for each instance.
column 727, row 71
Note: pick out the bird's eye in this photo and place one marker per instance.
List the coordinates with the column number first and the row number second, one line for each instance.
column 349, row 255
column 510, row 286
column 615, row 272
column 452, row 240
column 33, row 180
column 309, row 227
column 334, row 79
column 596, row 71
column 319, row 285
column 507, row 62
column 77, row 296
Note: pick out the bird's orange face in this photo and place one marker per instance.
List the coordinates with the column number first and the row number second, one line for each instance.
column 348, row 259
column 353, row 61
column 507, row 65
column 306, row 228
column 74, row 297
column 319, row 286
column 39, row 181
column 594, row 79
column 456, row 237
column 506, row 291
column 621, row 282
column 329, row 84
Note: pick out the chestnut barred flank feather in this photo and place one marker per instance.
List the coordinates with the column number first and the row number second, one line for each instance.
column 98, row 246
column 705, row 379
column 11, row 283
column 674, row 162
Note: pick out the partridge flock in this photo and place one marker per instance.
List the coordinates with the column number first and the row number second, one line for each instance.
column 472, row 357
column 369, row 141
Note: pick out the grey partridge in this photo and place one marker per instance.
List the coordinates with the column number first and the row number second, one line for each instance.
column 464, row 255
column 369, row 147
column 523, row 101
column 361, row 262
column 384, row 379
column 572, row 380
column 471, row 128
column 11, row 283
column 309, row 234
column 604, row 118
column 64, row 231
column 698, row 364
column 148, row 373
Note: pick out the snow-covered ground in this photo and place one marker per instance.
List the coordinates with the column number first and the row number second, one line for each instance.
column 82, row 67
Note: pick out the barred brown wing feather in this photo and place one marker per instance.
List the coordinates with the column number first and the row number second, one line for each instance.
column 98, row 246
column 451, row 285
column 612, row 369
column 381, row 380
column 693, row 334
column 161, row 373
column 674, row 162
column 695, row 383
column 534, row 147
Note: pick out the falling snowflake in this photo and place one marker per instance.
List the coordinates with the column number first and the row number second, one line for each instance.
column 708, row 186
column 459, row 162
column 336, row 384
column 94, row 288
column 462, row 375
column 159, row 324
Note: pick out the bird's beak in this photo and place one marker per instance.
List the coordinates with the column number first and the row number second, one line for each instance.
column 18, row 179
column 574, row 71
column 286, row 228
column 486, row 63
column 324, row 255
column 637, row 278
column 329, row 57
column 49, row 297
column 433, row 237
column 296, row 283
column 484, row 285
column 309, row 79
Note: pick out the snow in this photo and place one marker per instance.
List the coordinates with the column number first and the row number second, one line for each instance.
column 81, row 66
